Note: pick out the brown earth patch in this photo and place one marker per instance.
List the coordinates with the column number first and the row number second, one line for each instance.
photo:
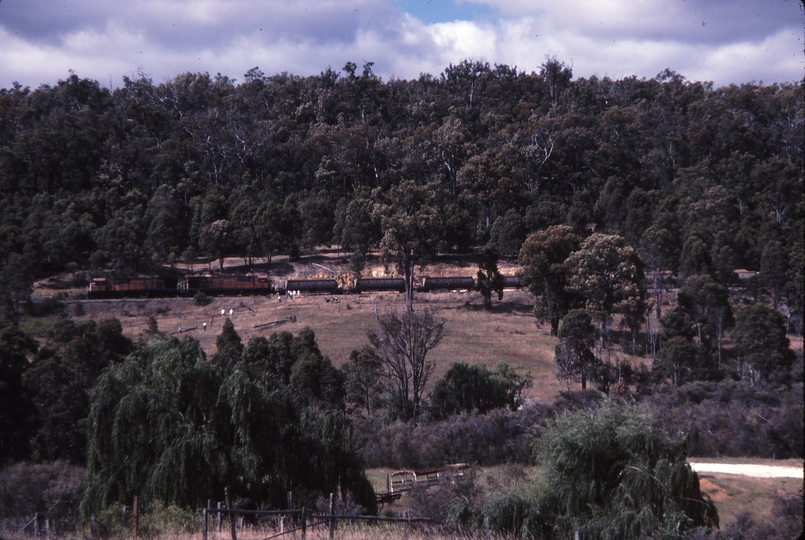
column 713, row 491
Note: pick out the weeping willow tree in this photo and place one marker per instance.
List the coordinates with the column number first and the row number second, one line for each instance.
column 171, row 426
column 614, row 474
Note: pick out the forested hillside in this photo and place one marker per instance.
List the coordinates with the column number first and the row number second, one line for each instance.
column 127, row 179
column 627, row 204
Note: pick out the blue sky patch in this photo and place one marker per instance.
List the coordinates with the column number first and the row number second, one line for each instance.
column 437, row 11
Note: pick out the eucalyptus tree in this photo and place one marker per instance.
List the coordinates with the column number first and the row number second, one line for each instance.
column 411, row 227
column 542, row 260
column 761, row 343
column 608, row 274
column 707, row 303
column 574, row 356
column 489, row 279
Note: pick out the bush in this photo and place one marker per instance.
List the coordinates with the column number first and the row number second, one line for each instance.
column 201, row 299
column 443, row 502
column 46, row 307
column 159, row 519
column 53, row 489
column 730, row 418
column 500, row 436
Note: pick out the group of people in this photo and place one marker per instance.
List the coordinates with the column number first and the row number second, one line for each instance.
column 288, row 294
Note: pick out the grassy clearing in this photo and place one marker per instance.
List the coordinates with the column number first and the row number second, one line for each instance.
column 475, row 336
column 734, row 495
column 38, row 328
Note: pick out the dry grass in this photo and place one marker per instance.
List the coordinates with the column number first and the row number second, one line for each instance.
column 473, row 335
column 734, row 495
column 343, row 532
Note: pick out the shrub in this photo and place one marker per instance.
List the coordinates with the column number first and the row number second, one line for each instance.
column 54, row 489
column 201, row 299
column 48, row 306
column 160, row 519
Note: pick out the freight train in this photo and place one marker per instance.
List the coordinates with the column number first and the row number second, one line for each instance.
column 261, row 284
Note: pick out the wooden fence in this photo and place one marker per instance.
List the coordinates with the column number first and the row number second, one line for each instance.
column 301, row 517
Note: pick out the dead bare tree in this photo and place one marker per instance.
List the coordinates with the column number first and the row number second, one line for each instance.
column 402, row 341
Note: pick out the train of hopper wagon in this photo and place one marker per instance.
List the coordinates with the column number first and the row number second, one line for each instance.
column 261, row 284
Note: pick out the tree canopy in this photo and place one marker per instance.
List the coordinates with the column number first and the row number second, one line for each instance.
column 170, row 425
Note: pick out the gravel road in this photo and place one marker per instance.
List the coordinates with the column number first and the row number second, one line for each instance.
column 761, row 471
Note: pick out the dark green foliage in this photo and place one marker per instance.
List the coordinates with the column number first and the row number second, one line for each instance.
column 761, row 344
column 17, row 274
column 411, row 226
column 61, row 378
column 608, row 473
column 542, row 258
column 507, row 234
column 364, row 381
column 615, row 474
column 264, row 419
column 489, row 279
column 707, row 304
column 475, row 389
column 17, row 409
column 677, row 358
column 137, row 176
column 608, row 274
column 201, row 299
column 575, row 360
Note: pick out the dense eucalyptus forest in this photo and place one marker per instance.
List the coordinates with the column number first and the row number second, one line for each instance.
column 600, row 189
column 145, row 174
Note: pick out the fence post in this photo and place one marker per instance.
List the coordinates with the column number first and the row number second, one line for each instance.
column 228, row 501
column 135, row 515
column 304, row 522
column 204, row 522
column 332, row 519
column 388, row 483
column 206, row 519
column 36, row 525
column 290, row 506
column 407, row 518
column 218, row 517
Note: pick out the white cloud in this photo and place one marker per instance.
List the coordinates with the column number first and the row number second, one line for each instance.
column 463, row 39
column 720, row 40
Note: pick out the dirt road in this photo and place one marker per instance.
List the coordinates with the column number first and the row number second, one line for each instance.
column 760, row 471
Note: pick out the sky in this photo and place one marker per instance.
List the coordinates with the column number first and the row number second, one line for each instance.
column 721, row 41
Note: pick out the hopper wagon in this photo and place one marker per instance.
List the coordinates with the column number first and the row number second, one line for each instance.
column 316, row 286
column 379, row 284
column 453, row 283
